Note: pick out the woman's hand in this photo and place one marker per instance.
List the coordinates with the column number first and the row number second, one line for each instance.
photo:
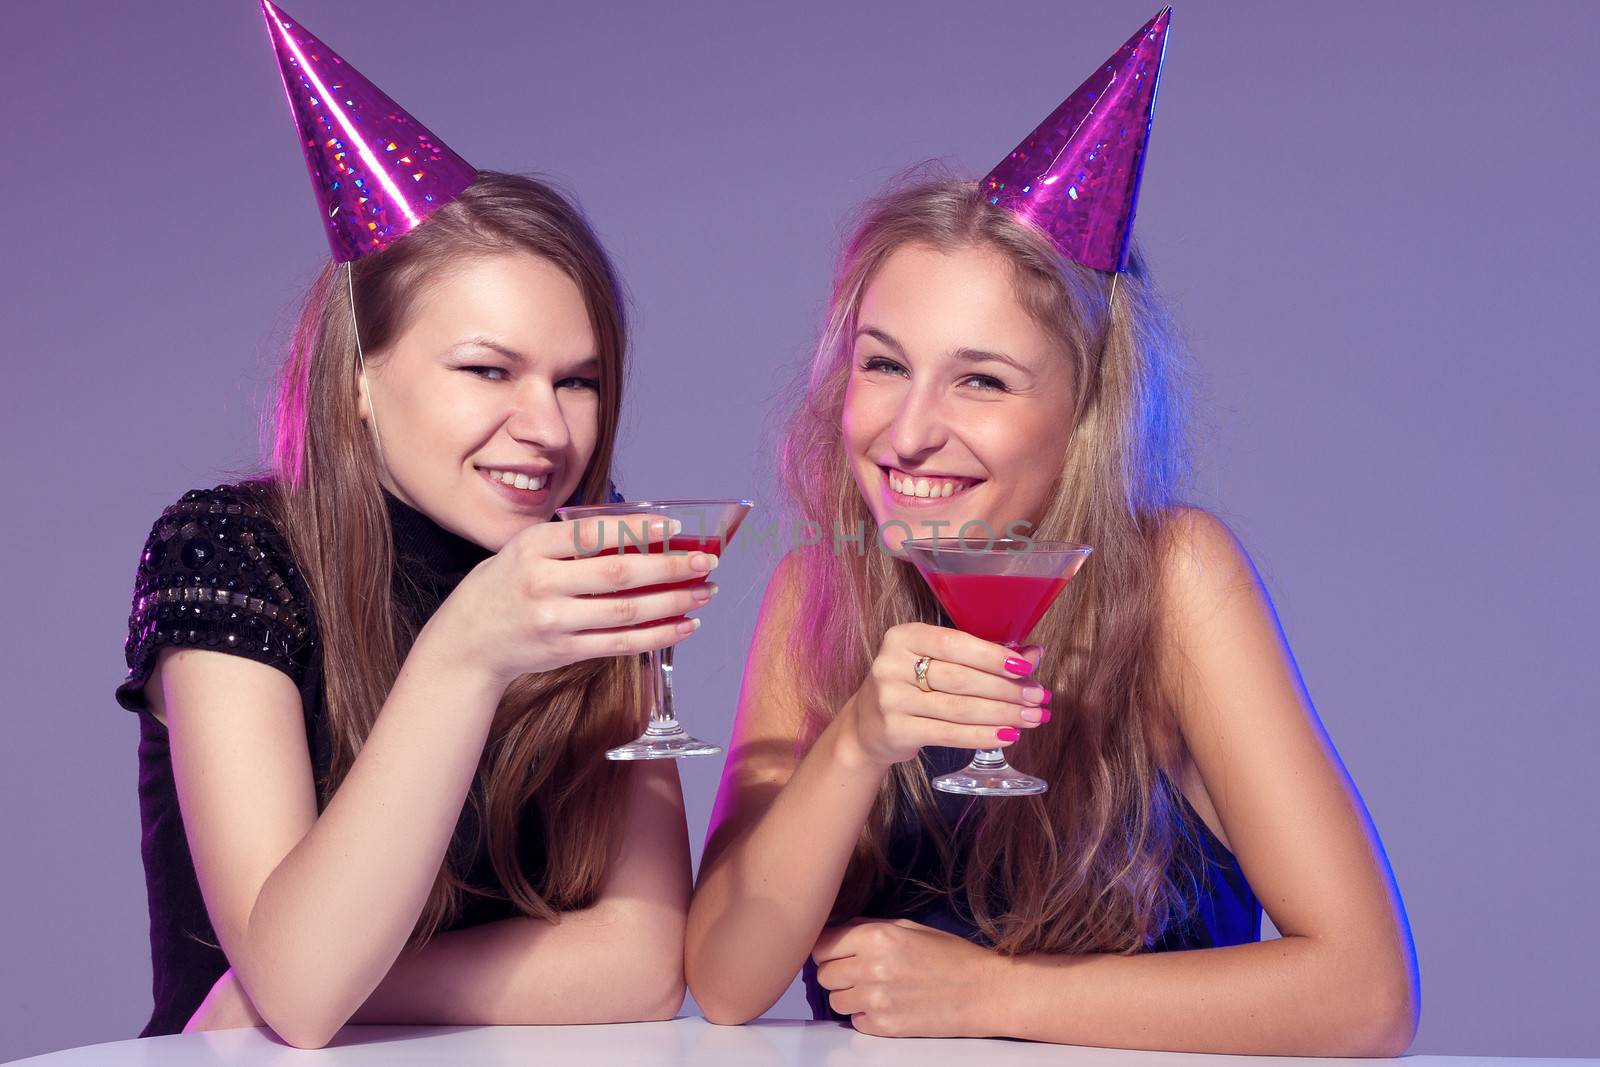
column 897, row 978
column 226, row 1007
column 533, row 607
column 981, row 697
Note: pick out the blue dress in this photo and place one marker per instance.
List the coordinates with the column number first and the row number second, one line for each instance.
column 1226, row 913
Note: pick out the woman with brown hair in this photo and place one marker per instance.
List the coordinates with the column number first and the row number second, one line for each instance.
column 374, row 687
column 983, row 367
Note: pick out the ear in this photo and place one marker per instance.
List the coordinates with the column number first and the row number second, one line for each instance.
column 363, row 397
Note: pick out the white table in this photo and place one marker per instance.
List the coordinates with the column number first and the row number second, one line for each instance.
column 769, row 1043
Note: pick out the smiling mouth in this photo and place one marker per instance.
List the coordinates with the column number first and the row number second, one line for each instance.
column 912, row 487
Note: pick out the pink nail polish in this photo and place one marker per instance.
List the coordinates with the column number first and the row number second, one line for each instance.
column 1008, row 733
column 1044, row 716
column 1018, row 666
column 1046, row 699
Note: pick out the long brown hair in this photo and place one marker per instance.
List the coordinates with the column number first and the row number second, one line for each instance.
column 545, row 761
column 1106, row 859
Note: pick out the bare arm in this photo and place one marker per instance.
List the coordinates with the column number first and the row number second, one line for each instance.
column 619, row 960
column 784, row 827
column 1341, row 981
column 313, row 910
column 615, row 961
column 760, row 901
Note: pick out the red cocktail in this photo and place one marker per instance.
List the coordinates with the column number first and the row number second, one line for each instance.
column 996, row 590
column 1003, row 608
column 677, row 544
column 707, row 526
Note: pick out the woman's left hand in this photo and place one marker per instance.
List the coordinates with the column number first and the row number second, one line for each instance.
column 897, row 978
column 226, row 1007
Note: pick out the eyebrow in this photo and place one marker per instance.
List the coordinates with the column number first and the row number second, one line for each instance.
column 588, row 364
column 979, row 355
column 493, row 346
column 965, row 355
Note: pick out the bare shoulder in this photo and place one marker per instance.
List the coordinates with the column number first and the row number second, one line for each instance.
column 1218, row 632
column 1204, row 566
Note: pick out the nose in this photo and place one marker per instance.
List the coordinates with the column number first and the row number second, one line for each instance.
column 920, row 428
column 535, row 416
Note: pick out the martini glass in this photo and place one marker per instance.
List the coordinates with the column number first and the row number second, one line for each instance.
column 996, row 590
column 708, row 525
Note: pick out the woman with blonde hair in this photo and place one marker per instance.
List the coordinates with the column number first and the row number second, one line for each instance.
column 374, row 688
column 995, row 356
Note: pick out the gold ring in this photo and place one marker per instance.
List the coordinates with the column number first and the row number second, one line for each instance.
column 921, row 671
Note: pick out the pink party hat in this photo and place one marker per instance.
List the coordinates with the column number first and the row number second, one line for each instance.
column 377, row 172
column 1076, row 177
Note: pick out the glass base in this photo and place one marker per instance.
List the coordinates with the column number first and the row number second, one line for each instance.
column 989, row 775
column 664, row 739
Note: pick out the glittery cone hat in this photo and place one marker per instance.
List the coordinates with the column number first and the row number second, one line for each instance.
column 1076, row 177
column 377, row 172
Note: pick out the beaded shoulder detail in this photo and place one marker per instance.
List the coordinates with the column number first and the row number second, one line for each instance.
column 216, row 573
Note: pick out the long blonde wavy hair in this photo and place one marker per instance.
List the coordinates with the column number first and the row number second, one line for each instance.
column 1106, row 859
column 545, row 763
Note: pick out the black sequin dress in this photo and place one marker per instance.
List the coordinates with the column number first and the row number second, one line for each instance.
column 217, row 574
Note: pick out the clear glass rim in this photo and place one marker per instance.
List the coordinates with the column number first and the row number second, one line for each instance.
column 964, row 546
column 631, row 507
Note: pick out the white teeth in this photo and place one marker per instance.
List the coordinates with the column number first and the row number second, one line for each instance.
column 923, row 487
column 517, row 480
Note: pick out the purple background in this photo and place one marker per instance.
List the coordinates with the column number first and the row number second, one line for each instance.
column 1377, row 222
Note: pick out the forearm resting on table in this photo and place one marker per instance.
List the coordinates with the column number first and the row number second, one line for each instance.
column 763, row 900
column 1293, row 996
column 608, row 963
column 514, row 972
column 619, row 960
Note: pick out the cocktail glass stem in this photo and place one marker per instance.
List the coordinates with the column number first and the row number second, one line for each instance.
column 664, row 737
column 989, row 774
column 663, row 721
column 989, row 759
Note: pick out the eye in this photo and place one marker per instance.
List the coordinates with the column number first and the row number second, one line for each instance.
column 487, row 373
column 883, row 364
column 986, row 383
column 592, row 384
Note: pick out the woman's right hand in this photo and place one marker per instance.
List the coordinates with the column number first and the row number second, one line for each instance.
column 981, row 696
column 533, row 607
